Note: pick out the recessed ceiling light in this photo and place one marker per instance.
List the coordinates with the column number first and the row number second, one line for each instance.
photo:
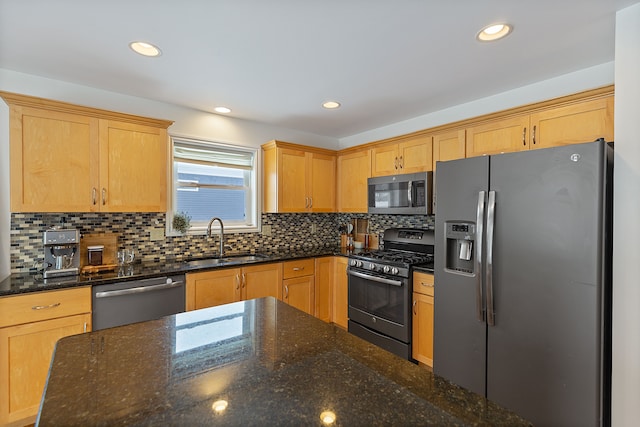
column 330, row 105
column 144, row 48
column 494, row 32
column 223, row 110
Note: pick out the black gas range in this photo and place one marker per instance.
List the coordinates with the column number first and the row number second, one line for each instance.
column 380, row 288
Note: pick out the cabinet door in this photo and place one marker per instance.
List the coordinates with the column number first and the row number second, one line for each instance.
column 448, row 146
column 415, row 154
column 323, row 288
column 497, row 137
column 353, row 171
column 292, row 180
column 385, row 160
column 299, row 293
column 54, row 163
column 340, row 292
column 25, row 355
column 264, row 280
column 322, row 171
column 423, row 328
column 581, row 122
column 133, row 168
column 211, row 288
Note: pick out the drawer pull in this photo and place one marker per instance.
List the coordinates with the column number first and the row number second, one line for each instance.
column 430, row 285
column 44, row 307
column 298, row 268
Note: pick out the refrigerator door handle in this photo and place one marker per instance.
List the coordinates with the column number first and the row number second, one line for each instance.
column 410, row 193
column 478, row 261
column 491, row 212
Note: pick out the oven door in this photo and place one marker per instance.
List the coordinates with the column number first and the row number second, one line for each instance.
column 380, row 303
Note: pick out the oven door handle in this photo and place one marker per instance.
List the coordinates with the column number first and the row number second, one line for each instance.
column 376, row 278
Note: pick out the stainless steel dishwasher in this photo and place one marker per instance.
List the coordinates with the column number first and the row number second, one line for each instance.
column 117, row 304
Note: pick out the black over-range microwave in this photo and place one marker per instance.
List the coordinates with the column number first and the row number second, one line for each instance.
column 408, row 194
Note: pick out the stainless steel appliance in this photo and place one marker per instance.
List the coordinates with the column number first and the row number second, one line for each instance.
column 380, row 288
column 61, row 252
column 400, row 194
column 122, row 303
column 523, row 273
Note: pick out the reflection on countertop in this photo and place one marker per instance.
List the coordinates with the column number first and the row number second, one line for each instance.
column 256, row 362
column 32, row 282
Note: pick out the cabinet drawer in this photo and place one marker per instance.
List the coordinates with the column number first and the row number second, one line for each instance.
column 33, row 307
column 423, row 283
column 298, row 268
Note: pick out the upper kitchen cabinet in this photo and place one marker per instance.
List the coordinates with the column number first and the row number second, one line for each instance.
column 68, row 158
column 406, row 155
column 497, row 137
column 448, row 146
column 298, row 178
column 570, row 120
column 354, row 168
column 572, row 124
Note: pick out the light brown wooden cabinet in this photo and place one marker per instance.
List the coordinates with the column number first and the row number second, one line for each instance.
column 354, row 168
column 339, row 312
column 298, row 284
column 323, row 288
column 423, row 303
column 30, row 326
column 216, row 287
column 449, row 146
column 408, row 155
column 67, row 158
column 298, row 178
column 578, row 122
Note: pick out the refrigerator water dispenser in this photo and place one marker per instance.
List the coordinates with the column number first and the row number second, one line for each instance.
column 460, row 246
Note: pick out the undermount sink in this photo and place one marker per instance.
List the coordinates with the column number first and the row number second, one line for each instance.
column 232, row 259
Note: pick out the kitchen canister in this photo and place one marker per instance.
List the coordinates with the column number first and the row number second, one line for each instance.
column 95, row 254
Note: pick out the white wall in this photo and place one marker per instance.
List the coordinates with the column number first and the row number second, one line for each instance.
column 589, row 78
column 626, row 233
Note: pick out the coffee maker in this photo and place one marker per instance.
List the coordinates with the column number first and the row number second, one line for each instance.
column 61, row 252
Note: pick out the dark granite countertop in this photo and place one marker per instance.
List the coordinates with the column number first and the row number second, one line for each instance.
column 272, row 364
column 33, row 282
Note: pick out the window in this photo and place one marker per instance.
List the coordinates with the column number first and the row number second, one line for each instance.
column 215, row 180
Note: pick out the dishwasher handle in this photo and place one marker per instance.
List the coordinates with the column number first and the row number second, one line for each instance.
column 137, row 290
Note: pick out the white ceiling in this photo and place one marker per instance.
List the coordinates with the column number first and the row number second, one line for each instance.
column 276, row 61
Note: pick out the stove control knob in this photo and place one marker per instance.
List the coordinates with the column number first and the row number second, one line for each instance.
column 394, row 271
column 372, row 266
column 353, row 263
column 386, row 268
column 359, row 264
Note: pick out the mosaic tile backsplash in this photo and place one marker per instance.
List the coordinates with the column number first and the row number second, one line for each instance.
column 288, row 231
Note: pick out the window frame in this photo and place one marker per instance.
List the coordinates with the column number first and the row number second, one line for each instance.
column 254, row 186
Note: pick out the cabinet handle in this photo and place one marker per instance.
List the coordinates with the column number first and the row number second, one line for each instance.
column 401, row 162
column 415, row 303
column 237, row 281
column 286, row 291
column 396, row 163
column 533, row 135
column 298, row 268
column 104, row 196
column 524, row 136
column 429, row 285
column 94, row 194
column 85, row 327
column 44, row 307
column 306, row 202
column 244, row 280
column 310, row 202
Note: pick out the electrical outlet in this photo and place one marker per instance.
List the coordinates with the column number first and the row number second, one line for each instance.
column 314, row 228
column 156, row 234
column 266, row 230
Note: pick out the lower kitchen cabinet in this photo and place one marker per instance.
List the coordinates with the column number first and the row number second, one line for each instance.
column 298, row 285
column 217, row 287
column 30, row 326
column 422, row 337
column 323, row 288
column 339, row 312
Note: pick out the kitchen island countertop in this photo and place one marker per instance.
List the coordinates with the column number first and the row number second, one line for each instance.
column 263, row 361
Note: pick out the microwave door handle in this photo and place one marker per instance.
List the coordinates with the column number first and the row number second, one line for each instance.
column 410, row 193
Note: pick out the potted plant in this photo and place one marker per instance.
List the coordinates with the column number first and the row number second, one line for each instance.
column 181, row 222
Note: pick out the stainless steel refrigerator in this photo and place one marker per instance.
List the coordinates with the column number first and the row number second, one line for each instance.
column 523, row 281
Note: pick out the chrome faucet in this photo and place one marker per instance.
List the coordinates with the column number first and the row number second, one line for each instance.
column 221, row 233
